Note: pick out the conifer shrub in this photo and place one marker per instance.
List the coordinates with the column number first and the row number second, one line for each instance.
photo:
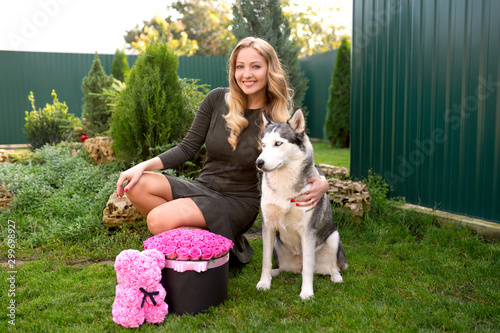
column 95, row 110
column 337, row 122
column 49, row 125
column 119, row 66
column 150, row 111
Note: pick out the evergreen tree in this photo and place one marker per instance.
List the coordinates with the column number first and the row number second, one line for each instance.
column 119, row 66
column 150, row 111
column 265, row 19
column 95, row 111
column 337, row 123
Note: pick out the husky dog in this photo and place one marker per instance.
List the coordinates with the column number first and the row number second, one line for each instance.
column 304, row 240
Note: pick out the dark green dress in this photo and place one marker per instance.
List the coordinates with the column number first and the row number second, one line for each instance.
column 227, row 189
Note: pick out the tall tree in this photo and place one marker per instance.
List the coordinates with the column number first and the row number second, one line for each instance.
column 265, row 19
column 119, row 66
column 95, row 110
column 207, row 22
column 337, row 123
column 163, row 30
column 150, row 110
column 313, row 26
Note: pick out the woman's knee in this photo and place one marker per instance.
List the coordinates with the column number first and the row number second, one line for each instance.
column 157, row 222
column 176, row 214
column 135, row 192
column 150, row 185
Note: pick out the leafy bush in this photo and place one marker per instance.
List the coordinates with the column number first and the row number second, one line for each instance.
column 95, row 109
column 51, row 124
column 150, row 111
column 337, row 123
column 56, row 196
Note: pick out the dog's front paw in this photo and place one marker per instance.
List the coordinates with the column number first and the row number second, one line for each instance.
column 336, row 277
column 264, row 285
column 306, row 294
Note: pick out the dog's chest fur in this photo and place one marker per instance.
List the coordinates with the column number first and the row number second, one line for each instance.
column 280, row 213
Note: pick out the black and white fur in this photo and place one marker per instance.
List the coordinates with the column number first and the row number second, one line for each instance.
column 304, row 241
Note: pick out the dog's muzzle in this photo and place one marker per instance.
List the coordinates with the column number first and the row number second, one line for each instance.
column 259, row 163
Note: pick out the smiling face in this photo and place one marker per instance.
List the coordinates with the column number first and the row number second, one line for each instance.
column 251, row 76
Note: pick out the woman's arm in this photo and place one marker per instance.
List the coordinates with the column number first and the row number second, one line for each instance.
column 196, row 135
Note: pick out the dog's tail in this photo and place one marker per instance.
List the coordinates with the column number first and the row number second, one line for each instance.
column 341, row 260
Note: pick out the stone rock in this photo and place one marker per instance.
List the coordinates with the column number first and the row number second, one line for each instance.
column 119, row 211
column 99, row 149
column 351, row 195
column 333, row 171
column 5, row 198
column 5, row 156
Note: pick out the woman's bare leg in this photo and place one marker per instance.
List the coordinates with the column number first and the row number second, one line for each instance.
column 152, row 196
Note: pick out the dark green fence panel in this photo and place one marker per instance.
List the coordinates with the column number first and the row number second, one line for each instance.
column 425, row 101
column 40, row 72
column 318, row 69
column 209, row 70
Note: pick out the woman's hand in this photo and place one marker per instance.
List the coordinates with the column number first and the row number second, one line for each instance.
column 310, row 199
column 130, row 177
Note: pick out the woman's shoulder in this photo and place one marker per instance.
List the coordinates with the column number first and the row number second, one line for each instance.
column 216, row 98
column 218, row 93
column 214, row 102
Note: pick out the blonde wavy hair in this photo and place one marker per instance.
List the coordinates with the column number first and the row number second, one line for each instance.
column 279, row 95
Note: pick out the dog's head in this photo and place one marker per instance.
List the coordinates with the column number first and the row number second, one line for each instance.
column 282, row 142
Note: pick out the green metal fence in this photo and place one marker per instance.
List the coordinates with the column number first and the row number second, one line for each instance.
column 318, row 69
column 22, row 72
column 40, row 72
column 425, row 101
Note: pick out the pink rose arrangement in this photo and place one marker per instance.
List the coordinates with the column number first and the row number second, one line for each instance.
column 189, row 244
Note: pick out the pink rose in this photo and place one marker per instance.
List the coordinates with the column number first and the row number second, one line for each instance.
column 131, row 299
column 198, row 238
column 206, row 253
column 170, row 252
column 175, row 243
column 217, row 252
column 161, row 248
column 185, row 243
column 156, row 314
column 210, row 243
column 183, row 254
column 198, row 244
column 225, row 248
column 123, row 263
column 195, row 253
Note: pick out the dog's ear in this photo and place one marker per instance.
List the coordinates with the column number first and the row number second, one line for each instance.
column 265, row 119
column 297, row 121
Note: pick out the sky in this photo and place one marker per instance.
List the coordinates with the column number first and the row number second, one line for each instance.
column 76, row 26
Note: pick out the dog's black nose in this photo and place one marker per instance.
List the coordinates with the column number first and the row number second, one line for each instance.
column 259, row 163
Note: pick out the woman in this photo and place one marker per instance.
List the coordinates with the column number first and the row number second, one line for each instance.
column 225, row 198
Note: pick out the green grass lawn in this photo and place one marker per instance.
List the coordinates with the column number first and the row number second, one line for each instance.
column 406, row 273
column 324, row 153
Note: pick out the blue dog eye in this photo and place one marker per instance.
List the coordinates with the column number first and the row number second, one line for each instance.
column 278, row 143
